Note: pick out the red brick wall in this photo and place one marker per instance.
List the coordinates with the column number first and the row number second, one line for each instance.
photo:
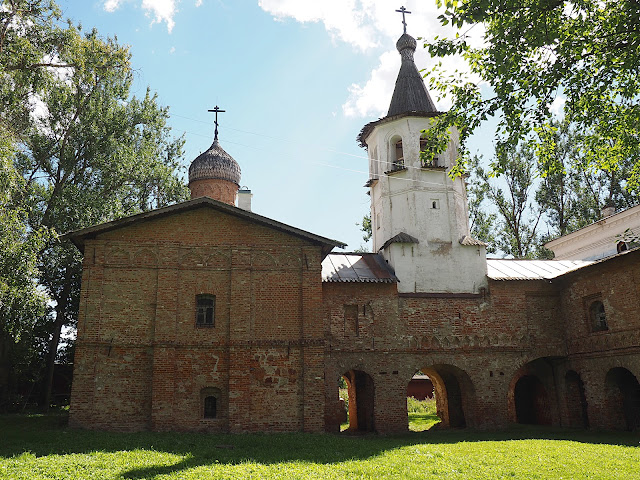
column 141, row 361
column 592, row 355
column 473, row 344
column 281, row 339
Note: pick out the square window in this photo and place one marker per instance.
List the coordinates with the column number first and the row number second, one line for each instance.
column 205, row 310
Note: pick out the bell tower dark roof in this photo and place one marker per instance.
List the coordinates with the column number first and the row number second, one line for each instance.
column 410, row 93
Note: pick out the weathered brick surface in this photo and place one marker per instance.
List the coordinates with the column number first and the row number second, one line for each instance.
column 282, row 339
column 478, row 348
column 144, row 363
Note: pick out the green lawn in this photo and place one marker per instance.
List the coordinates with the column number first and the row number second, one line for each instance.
column 33, row 447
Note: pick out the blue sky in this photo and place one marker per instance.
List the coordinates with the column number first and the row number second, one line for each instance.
column 298, row 80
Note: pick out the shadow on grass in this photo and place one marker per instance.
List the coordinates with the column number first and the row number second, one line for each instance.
column 46, row 435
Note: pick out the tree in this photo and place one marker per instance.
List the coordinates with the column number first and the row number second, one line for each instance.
column 573, row 191
column 22, row 305
column 534, row 52
column 93, row 153
column 481, row 222
column 509, row 187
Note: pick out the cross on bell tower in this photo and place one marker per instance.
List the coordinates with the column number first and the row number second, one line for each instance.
column 403, row 11
column 217, row 110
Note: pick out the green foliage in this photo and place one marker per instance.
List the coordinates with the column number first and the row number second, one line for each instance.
column 38, row 448
column 532, row 52
column 421, row 406
column 365, row 227
column 509, row 187
column 91, row 152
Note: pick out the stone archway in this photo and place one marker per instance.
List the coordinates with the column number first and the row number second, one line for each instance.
column 531, row 401
column 454, row 393
column 576, row 400
column 361, row 390
column 622, row 393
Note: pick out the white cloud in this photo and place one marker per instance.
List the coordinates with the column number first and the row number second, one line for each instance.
column 370, row 25
column 112, row 5
column 172, row 50
column 198, row 3
column 372, row 99
column 159, row 10
column 557, row 106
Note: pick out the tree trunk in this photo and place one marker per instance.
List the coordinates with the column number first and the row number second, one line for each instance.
column 51, row 360
column 61, row 308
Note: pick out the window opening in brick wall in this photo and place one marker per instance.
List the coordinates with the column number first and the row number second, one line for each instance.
column 598, row 317
column 210, row 407
column 351, row 325
column 205, row 310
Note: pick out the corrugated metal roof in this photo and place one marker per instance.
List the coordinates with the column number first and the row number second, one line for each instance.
column 504, row 269
column 357, row 267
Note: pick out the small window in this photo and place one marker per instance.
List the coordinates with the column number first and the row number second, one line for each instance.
column 210, row 407
column 598, row 317
column 205, row 310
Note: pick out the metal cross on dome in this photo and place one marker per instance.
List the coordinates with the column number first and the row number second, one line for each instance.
column 403, row 11
column 216, row 110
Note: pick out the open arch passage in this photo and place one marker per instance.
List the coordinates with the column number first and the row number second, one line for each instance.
column 576, row 400
column 622, row 392
column 361, row 393
column 421, row 403
column 453, row 392
column 531, row 401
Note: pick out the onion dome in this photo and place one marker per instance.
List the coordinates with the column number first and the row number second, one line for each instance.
column 410, row 93
column 214, row 164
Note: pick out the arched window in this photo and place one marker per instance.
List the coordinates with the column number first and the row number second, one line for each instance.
column 374, row 162
column 598, row 317
column 205, row 310
column 435, row 162
column 210, row 407
column 396, row 154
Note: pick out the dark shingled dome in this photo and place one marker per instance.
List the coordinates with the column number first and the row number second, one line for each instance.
column 215, row 163
column 410, row 93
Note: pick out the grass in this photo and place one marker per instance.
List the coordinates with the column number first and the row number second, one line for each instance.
column 37, row 447
column 422, row 414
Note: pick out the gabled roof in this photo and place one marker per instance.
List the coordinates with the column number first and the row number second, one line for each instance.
column 78, row 237
column 357, row 268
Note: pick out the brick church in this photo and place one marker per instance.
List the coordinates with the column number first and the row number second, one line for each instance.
column 204, row 316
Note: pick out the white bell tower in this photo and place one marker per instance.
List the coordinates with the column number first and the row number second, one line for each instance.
column 419, row 215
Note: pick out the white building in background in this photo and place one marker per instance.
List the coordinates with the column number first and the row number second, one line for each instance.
column 614, row 233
